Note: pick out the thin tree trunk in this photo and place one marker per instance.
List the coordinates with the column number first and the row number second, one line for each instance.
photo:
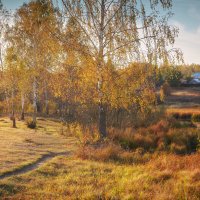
column 1, row 59
column 23, row 103
column 13, row 111
column 118, row 116
column 102, row 120
column 100, row 65
column 46, row 101
column 7, row 102
column 61, row 110
column 34, row 100
column 13, row 119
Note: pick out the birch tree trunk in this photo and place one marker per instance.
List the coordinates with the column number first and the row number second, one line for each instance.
column 22, row 104
column 34, row 100
column 100, row 65
column 13, row 111
column 46, row 101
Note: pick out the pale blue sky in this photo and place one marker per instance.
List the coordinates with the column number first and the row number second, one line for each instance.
column 186, row 17
column 13, row 4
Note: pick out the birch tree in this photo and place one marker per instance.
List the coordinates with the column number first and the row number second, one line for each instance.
column 33, row 20
column 12, row 79
column 123, row 31
column 4, row 18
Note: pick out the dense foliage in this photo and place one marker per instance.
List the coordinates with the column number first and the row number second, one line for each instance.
column 87, row 67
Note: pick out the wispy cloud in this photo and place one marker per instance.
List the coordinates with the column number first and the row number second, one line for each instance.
column 189, row 42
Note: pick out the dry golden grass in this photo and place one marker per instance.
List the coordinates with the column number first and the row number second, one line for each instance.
column 185, row 110
column 184, row 102
column 156, row 176
column 176, row 162
column 186, row 91
column 20, row 146
column 72, row 178
column 185, row 98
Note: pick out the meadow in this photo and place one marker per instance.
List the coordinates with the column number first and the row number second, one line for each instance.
column 91, row 103
column 165, row 177
column 22, row 146
column 92, row 170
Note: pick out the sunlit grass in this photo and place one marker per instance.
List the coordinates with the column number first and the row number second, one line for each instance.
column 194, row 110
column 21, row 146
column 71, row 178
column 162, row 177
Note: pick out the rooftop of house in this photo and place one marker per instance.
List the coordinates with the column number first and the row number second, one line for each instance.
column 196, row 75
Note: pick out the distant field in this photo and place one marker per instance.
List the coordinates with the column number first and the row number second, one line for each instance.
column 182, row 110
column 184, row 100
column 184, row 97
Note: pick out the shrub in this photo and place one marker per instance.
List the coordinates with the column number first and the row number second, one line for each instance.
column 181, row 124
column 136, row 146
column 31, row 124
column 180, row 116
column 185, row 116
column 85, row 135
column 161, row 126
column 174, row 115
column 178, row 149
column 108, row 151
column 196, row 117
column 100, row 152
column 175, row 162
column 137, row 157
column 182, row 141
column 171, row 136
column 70, row 129
column 145, row 141
column 146, row 138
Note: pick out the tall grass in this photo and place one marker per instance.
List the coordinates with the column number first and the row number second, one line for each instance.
column 167, row 136
column 139, row 145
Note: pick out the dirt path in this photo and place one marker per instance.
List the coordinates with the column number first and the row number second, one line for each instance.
column 32, row 166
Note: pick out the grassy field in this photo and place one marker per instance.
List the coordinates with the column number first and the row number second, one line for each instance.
column 21, row 146
column 183, row 101
column 164, row 176
column 184, row 97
